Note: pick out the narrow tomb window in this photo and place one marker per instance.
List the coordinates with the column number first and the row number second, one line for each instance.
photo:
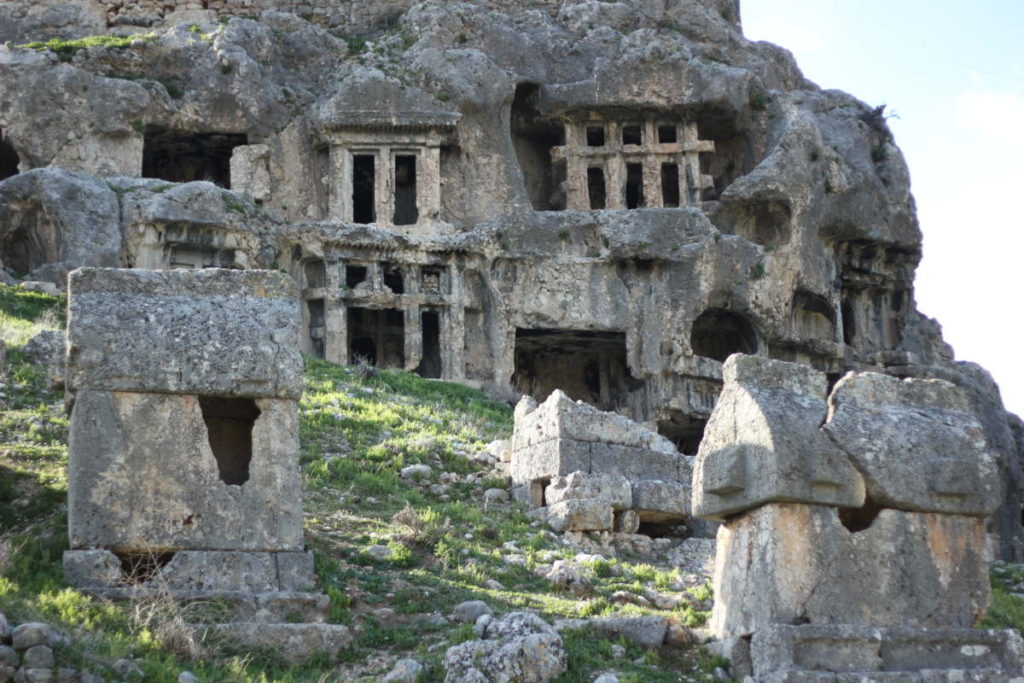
column 667, row 134
column 363, row 181
column 849, row 322
column 634, row 186
column 393, row 278
column 316, row 274
column 595, row 136
column 406, row 212
column 317, row 325
column 229, row 423
column 632, row 135
column 718, row 334
column 595, row 188
column 354, row 276
column 180, row 157
column 430, row 365
column 8, row 159
column 670, row 185
column 685, row 431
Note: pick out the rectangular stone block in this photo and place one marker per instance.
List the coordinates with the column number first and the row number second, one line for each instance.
column 634, row 463
column 143, row 476
column 211, row 332
column 295, row 571
column 586, row 514
column 611, row 489
column 791, row 563
column 549, row 459
column 846, row 652
column 659, row 501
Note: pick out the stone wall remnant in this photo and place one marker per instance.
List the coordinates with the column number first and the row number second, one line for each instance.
column 595, row 471
column 849, row 527
column 183, row 448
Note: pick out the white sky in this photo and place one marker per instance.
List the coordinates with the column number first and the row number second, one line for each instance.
column 953, row 71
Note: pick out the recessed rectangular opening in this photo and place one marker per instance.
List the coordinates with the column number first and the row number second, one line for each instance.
column 595, row 188
column 595, row 136
column 191, row 256
column 364, row 169
column 634, row 186
column 180, row 157
column 587, row 365
column 354, row 276
column 229, row 423
column 317, row 325
column 430, row 364
column 316, row 274
column 406, row 212
column 393, row 279
column 376, row 336
column 684, row 430
column 433, row 280
column 632, row 134
column 533, row 137
column 667, row 134
column 322, row 175
column 670, row 185
column 8, row 159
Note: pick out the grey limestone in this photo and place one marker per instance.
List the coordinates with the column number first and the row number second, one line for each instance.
column 213, row 332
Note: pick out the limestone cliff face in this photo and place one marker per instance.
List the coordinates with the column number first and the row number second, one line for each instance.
column 604, row 197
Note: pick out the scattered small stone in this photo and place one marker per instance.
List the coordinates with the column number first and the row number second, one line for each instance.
column 187, row 677
column 404, row 671
column 618, row 652
column 482, row 622
column 29, row 635
column 494, row 585
column 495, row 496
column 8, row 656
column 38, row 657
column 379, row 552
column 126, row 668
column 417, row 472
column 607, row 678
column 471, row 610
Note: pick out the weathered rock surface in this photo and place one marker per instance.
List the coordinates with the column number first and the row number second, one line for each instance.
column 518, row 647
column 917, row 443
column 764, row 443
column 214, row 332
column 802, row 565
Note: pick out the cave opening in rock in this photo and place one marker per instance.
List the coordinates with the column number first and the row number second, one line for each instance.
column 595, row 136
column 634, row 186
column 376, row 336
column 229, row 424
column 849, row 322
column 813, row 317
column 586, row 365
column 354, row 276
column 430, row 363
column 670, row 185
column 406, row 212
column 9, row 159
column 364, row 169
column 718, row 333
column 596, row 188
column 317, row 326
column 180, row 157
column 534, row 136
column 393, row 279
column 683, row 430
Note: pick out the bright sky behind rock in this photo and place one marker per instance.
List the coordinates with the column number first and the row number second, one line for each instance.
column 953, row 72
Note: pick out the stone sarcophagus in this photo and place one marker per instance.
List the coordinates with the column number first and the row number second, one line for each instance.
column 853, row 522
column 183, row 470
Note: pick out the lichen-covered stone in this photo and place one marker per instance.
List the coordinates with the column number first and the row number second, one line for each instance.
column 212, row 332
column 518, row 647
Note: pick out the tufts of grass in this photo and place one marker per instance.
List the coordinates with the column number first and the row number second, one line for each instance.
column 66, row 49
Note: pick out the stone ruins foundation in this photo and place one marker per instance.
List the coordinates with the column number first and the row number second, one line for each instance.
column 183, row 473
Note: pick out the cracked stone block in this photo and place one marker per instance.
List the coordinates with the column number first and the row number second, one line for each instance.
column 581, row 515
column 791, row 564
column 764, row 444
column 611, row 489
column 661, row 501
column 213, row 332
column 917, row 442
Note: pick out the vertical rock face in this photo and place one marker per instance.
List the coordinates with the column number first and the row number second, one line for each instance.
column 606, row 198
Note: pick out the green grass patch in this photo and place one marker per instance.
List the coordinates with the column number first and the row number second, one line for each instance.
column 66, row 49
